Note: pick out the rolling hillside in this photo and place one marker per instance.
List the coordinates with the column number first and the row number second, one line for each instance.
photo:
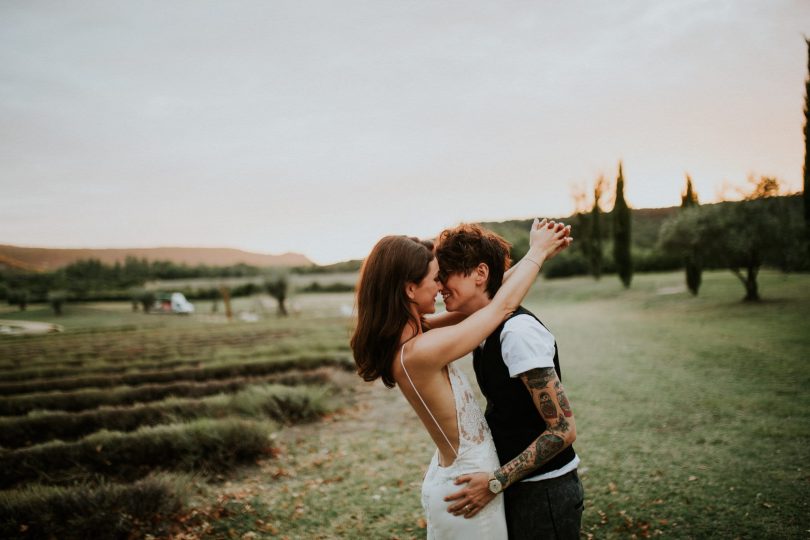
column 44, row 259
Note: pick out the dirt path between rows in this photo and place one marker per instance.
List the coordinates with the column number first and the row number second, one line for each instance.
column 356, row 473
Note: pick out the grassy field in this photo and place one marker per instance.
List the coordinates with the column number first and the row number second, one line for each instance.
column 692, row 414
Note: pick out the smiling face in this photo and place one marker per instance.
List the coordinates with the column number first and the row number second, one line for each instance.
column 423, row 294
column 466, row 293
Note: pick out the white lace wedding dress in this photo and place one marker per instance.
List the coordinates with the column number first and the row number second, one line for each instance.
column 476, row 453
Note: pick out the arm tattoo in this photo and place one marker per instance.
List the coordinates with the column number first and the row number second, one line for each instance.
column 544, row 387
column 547, row 407
column 538, row 378
column 562, row 399
column 544, row 448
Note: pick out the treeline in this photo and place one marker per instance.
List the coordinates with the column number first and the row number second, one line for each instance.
column 91, row 279
column 592, row 253
column 764, row 229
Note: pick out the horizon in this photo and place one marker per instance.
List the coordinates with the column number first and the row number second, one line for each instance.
column 317, row 263
column 319, row 128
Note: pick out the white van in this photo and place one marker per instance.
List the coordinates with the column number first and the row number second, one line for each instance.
column 174, row 303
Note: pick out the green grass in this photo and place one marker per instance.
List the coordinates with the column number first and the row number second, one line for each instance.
column 692, row 413
column 692, row 420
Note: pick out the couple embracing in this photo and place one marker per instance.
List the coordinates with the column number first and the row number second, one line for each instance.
column 512, row 471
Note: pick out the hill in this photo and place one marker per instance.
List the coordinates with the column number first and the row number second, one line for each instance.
column 645, row 225
column 46, row 259
column 645, row 222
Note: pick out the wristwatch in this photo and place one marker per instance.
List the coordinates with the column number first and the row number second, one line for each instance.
column 495, row 485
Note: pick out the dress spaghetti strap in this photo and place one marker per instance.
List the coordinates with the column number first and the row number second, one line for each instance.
column 402, row 362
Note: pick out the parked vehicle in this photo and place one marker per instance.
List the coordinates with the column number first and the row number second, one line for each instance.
column 173, row 303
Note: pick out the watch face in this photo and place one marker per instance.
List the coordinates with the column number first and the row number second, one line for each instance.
column 494, row 486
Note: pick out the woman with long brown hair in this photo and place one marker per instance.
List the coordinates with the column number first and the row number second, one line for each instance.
column 398, row 285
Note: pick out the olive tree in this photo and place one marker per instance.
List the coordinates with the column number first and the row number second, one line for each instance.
column 278, row 287
column 740, row 236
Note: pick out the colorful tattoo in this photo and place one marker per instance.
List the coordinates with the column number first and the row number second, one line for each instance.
column 538, row 378
column 563, row 401
column 547, row 407
column 541, row 382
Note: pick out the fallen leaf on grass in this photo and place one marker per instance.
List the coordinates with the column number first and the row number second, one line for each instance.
column 603, row 519
column 767, row 505
column 421, row 523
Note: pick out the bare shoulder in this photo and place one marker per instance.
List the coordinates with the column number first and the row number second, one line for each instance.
column 415, row 354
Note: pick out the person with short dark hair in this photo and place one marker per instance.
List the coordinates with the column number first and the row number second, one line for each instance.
column 518, row 370
column 396, row 293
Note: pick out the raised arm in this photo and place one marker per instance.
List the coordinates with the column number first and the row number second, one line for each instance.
column 444, row 345
column 559, row 226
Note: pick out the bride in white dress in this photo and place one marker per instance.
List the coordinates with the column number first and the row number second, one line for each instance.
column 398, row 285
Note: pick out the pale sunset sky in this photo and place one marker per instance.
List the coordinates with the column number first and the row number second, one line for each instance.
column 319, row 126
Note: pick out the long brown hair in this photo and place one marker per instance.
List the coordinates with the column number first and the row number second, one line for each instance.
column 383, row 308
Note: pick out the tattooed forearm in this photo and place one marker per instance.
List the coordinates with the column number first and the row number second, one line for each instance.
column 552, row 404
column 544, row 448
column 562, row 424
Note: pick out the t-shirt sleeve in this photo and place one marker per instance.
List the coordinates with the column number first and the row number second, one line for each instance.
column 526, row 344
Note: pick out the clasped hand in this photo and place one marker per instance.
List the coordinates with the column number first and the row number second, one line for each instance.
column 550, row 237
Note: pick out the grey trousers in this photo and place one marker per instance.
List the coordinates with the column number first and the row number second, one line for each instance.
column 548, row 509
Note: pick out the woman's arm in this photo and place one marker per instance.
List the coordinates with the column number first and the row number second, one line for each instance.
column 446, row 318
column 444, row 345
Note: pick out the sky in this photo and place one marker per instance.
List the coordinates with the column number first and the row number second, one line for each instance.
column 318, row 127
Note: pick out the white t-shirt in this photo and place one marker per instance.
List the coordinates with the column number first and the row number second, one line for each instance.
column 526, row 344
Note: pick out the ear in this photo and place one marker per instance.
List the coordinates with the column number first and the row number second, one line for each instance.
column 410, row 290
column 481, row 274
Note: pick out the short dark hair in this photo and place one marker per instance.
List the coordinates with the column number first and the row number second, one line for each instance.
column 463, row 248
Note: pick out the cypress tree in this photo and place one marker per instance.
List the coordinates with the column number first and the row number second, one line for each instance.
column 621, row 233
column 694, row 269
column 807, row 143
column 595, row 250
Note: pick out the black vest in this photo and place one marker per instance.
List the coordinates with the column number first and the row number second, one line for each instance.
column 511, row 414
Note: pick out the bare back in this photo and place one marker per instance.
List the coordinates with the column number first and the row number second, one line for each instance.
column 435, row 389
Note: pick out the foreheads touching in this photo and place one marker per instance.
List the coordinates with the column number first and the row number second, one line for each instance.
column 463, row 249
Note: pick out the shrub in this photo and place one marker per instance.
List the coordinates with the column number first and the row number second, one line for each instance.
column 19, row 298
column 205, row 445
column 56, row 299
column 566, row 264
column 106, row 511
column 316, row 287
column 281, row 403
column 124, row 395
column 204, row 373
